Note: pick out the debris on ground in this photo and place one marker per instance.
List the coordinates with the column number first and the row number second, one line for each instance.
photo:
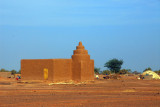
column 114, row 76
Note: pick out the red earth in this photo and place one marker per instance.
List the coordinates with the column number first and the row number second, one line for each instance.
column 125, row 92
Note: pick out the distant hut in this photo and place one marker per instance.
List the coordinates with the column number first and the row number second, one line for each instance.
column 150, row 75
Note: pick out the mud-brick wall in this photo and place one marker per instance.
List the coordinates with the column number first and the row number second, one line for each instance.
column 76, row 71
column 62, row 70
column 34, row 69
column 87, row 70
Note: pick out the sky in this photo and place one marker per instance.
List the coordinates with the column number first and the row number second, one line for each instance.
column 51, row 29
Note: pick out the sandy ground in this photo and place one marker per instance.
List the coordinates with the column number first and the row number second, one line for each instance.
column 126, row 92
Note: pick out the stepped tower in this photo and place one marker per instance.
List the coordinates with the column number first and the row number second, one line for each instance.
column 82, row 65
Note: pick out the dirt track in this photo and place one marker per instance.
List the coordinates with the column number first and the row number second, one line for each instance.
column 101, row 93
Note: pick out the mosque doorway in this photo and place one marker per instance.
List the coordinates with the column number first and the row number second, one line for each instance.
column 45, row 70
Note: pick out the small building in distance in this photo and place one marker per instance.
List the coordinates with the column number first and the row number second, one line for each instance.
column 79, row 68
column 149, row 75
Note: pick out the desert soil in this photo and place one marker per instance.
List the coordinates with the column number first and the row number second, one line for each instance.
column 126, row 92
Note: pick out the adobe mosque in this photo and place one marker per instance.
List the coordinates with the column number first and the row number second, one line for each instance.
column 79, row 68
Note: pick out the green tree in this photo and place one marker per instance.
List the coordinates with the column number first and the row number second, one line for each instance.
column 147, row 69
column 13, row 72
column 114, row 65
column 96, row 70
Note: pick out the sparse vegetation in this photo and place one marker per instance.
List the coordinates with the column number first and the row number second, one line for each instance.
column 3, row 70
column 96, row 70
column 125, row 71
column 12, row 71
column 19, row 72
column 114, row 65
column 135, row 72
column 106, row 72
